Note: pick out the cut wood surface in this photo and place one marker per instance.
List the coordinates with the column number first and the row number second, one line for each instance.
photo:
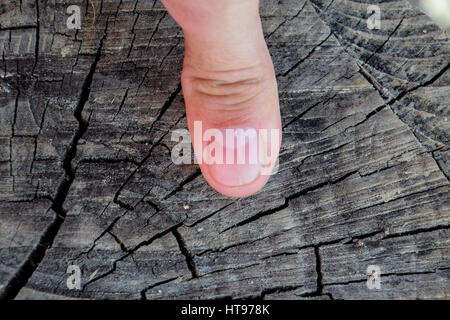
column 86, row 122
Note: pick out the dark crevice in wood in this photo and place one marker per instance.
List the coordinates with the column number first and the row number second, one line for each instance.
column 108, row 160
column 257, row 216
column 319, row 270
column 143, row 292
column 117, row 11
column 82, row 128
column 440, row 166
column 278, row 289
column 164, row 108
column 416, row 231
column 168, row 53
column 208, row 216
column 386, row 41
column 345, row 282
column 188, row 179
column 424, row 84
column 319, row 289
column 151, row 204
column 156, row 28
column 378, row 170
column 286, row 204
column 167, row 104
column 147, row 70
column 430, row 152
column 37, row 135
column 134, row 36
column 295, row 66
column 367, row 235
column 26, row 200
column 413, row 131
column 324, row 102
column 129, row 253
column 124, row 205
column 309, row 246
column 342, row 240
column 32, row 261
column 227, row 269
column 282, row 289
column 281, row 254
column 321, row 153
column 38, row 27
column 139, row 165
column 370, row 115
column 385, row 94
column 399, row 198
column 16, row 106
column 286, row 20
column 336, row 122
column 319, row 285
column 121, row 104
column 185, row 251
column 109, row 228
column 119, row 242
column 225, row 248
column 24, row 27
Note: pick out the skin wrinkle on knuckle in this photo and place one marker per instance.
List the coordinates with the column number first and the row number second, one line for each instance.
column 238, row 91
column 229, row 98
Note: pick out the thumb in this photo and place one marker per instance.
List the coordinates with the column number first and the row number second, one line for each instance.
column 231, row 94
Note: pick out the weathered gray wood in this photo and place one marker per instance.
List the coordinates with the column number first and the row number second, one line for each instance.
column 85, row 140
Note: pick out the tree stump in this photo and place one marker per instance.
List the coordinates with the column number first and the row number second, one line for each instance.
column 87, row 117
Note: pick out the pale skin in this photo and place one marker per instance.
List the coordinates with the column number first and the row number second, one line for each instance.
column 228, row 81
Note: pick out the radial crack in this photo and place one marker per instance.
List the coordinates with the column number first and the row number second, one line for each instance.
column 37, row 253
column 185, row 251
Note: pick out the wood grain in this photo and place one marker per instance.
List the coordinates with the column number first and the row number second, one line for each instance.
column 86, row 174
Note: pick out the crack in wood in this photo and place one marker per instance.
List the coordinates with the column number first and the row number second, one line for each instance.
column 37, row 253
column 187, row 241
column 289, row 198
column 190, row 261
column 309, row 54
column 129, row 253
